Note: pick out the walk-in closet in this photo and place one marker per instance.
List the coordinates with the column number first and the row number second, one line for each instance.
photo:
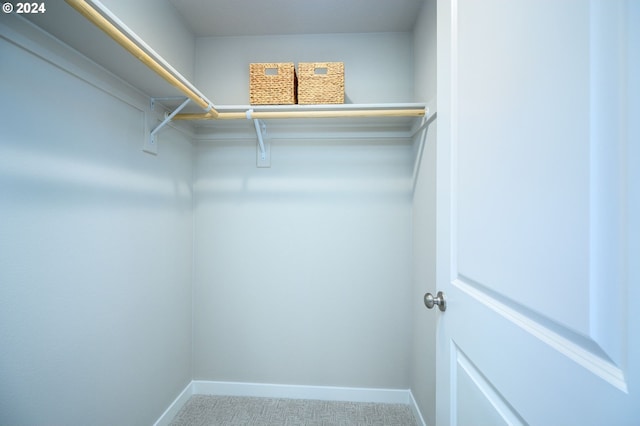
column 454, row 238
column 134, row 273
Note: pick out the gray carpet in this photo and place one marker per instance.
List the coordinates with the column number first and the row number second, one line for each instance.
column 208, row 410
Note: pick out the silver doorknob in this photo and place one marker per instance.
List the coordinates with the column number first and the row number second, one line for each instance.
column 430, row 301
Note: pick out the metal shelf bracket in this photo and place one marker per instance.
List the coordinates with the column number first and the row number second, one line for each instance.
column 263, row 149
column 151, row 146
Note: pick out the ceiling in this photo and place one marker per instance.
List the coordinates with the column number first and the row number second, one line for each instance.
column 265, row 17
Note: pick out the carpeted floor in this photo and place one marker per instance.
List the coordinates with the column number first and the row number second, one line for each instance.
column 209, row 410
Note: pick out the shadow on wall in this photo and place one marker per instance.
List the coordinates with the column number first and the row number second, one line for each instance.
column 336, row 171
column 306, row 263
column 69, row 179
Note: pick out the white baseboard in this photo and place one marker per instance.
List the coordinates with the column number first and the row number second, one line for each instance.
column 326, row 393
column 175, row 406
column 416, row 410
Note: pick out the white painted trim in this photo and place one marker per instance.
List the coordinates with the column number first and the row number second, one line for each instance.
column 175, row 406
column 416, row 410
column 325, row 393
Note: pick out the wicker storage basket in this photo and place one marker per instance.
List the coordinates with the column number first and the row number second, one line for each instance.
column 272, row 84
column 321, row 83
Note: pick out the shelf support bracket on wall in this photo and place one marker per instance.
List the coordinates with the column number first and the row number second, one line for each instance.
column 263, row 148
column 152, row 146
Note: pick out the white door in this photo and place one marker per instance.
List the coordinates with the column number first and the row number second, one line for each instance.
column 538, row 212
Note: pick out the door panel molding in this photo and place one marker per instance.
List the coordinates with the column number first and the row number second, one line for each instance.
column 488, row 405
column 607, row 320
column 583, row 351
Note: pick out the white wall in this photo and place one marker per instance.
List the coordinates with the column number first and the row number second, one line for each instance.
column 95, row 244
column 156, row 22
column 303, row 270
column 161, row 27
column 378, row 67
column 424, row 53
column 423, row 362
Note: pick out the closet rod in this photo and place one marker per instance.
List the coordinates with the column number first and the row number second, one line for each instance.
column 125, row 41
column 132, row 35
column 418, row 112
